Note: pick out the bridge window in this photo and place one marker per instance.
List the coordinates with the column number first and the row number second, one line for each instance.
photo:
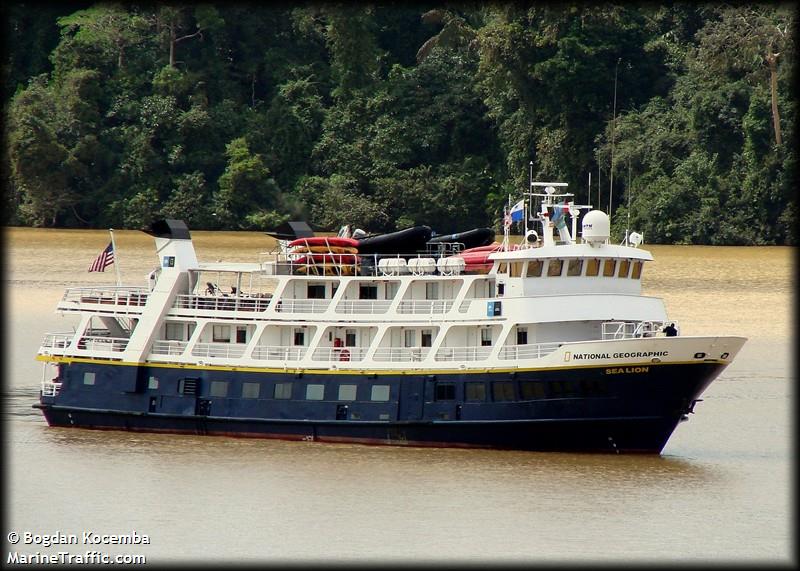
column 608, row 268
column 218, row 389
column 515, row 269
column 315, row 392
column 574, row 268
column 251, row 390
column 283, row 390
column 637, row 270
column 593, row 267
column 535, row 268
column 554, row 267
column 475, row 391
column 624, row 268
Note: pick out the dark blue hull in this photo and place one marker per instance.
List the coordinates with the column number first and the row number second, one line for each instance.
column 628, row 409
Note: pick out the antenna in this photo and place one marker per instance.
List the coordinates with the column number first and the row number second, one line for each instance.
column 613, row 129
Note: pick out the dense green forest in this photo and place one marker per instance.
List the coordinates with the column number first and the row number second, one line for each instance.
column 241, row 116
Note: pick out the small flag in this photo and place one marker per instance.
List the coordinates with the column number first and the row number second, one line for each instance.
column 518, row 211
column 105, row 259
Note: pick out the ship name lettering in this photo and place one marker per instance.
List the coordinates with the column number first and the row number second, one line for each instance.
column 623, row 370
column 590, row 356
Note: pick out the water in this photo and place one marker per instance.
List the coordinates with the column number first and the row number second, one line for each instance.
column 720, row 492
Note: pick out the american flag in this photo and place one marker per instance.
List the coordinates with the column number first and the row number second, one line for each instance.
column 105, row 259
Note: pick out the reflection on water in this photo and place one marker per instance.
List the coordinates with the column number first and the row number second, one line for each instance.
column 718, row 493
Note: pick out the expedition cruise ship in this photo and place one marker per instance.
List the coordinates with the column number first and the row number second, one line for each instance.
column 547, row 345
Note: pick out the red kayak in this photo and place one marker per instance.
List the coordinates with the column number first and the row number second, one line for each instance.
column 328, row 259
column 325, row 241
column 489, row 248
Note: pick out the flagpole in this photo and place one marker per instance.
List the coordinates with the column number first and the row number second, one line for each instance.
column 116, row 257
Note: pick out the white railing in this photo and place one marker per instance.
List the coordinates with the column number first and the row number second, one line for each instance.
column 631, row 329
column 221, row 303
column 363, row 306
column 50, row 388
column 463, row 353
column 401, row 354
column 528, row 351
column 226, row 350
column 121, row 295
column 339, row 354
column 425, row 306
column 57, row 340
column 302, row 305
column 278, row 353
column 169, row 347
column 103, row 344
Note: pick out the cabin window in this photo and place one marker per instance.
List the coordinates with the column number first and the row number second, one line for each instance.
column 221, row 333
column 409, row 338
column 347, row 392
column 349, row 337
column 445, row 391
column 218, row 389
column 593, row 267
column 535, row 268
column 624, row 268
column 486, row 337
column 554, row 267
column 174, row 331
column 532, row 390
column 251, row 390
column 380, row 393
column 391, row 289
column 637, row 270
column 608, row 268
column 315, row 392
column 475, row 391
column 241, row 334
column 427, row 338
column 299, row 336
column 283, row 390
column 515, row 269
column 152, row 383
column 574, row 267
column 368, row 292
column 501, row 289
column 432, row 290
column 316, row 291
column 89, row 378
column 503, row 390
column 522, row 335
column 502, row 268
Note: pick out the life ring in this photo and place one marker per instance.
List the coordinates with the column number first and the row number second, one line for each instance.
column 344, row 355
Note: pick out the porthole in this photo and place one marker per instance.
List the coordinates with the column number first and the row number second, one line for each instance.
column 699, row 355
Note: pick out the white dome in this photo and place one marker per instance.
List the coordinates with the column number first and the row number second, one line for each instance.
column 596, row 227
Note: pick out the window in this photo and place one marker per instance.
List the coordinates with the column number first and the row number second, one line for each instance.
column 251, row 390
column 515, row 269
column 608, row 268
column 173, row 331
column 522, row 335
column 316, row 291
column 241, row 334
column 502, row 268
column 501, row 289
column 219, row 389
column 574, row 268
column 432, row 290
column 368, row 292
column 347, row 392
column 486, row 337
column 221, row 333
column 380, row 393
column 532, row 390
column 535, row 268
column 299, row 336
column 349, row 337
column 409, row 338
column 445, row 391
column 593, row 267
column 637, row 270
column 554, row 267
column 89, row 378
column 152, row 383
column 427, row 338
column 283, row 390
column 315, row 392
column 503, row 390
column 624, row 268
column 475, row 391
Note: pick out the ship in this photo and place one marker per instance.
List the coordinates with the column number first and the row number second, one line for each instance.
column 544, row 345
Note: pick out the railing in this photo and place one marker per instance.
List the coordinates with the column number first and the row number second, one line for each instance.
column 339, row 354
column 226, row 350
column 221, row 303
column 401, row 354
column 425, row 306
column 631, row 329
column 528, row 351
column 363, row 306
column 278, row 353
column 50, row 388
column 122, row 295
column 103, row 344
column 302, row 305
column 57, row 340
column 169, row 347
column 463, row 353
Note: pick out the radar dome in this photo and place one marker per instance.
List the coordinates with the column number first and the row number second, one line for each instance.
column 596, row 227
